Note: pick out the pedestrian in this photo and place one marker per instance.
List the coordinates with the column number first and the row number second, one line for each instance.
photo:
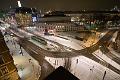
column 11, row 41
column 91, row 69
column 74, row 73
column 22, row 53
column 7, row 41
column 29, row 60
column 104, row 75
column 12, row 53
column 14, row 44
column 55, row 62
column 19, row 51
column 21, row 68
column 49, row 59
column 20, row 46
column 77, row 61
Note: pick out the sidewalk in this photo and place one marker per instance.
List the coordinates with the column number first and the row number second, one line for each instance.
column 28, row 68
column 108, row 60
column 87, row 69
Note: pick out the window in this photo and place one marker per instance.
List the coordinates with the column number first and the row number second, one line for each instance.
column 4, row 70
column 8, row 78
column 1, row 60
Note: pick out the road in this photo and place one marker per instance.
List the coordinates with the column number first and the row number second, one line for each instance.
column 83, row 52
column 110, row 55
column 46, row 67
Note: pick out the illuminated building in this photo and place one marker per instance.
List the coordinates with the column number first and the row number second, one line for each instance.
column 59, row 27
column 22, row 16
column 8, row 71
column 23, row 19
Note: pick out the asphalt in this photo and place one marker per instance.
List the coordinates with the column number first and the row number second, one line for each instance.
column 38, row 53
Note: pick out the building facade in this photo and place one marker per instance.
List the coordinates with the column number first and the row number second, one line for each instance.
column 23, row 19
column 22, row 16
column 8, row 70
column 58, row 27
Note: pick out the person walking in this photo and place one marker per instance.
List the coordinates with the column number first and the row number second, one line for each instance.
column 77, row 61
column 29, row 60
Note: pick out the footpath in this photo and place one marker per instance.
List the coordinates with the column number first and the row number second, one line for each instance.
column 28, row 67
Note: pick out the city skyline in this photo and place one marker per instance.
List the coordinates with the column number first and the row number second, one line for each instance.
column 63, row 5
column 60, row 40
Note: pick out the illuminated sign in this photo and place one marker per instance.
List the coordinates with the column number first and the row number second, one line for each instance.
column 19, row 4
column 34, row 19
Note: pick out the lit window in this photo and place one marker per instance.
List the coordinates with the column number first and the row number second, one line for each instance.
column 4, row 70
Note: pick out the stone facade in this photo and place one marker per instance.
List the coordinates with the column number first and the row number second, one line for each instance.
column 59, row 27
column 23, row 19
column 8, row 70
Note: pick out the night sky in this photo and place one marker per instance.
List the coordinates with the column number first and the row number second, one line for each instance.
column 63, row 4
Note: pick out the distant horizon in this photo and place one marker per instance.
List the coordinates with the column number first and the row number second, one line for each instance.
column 64, row 5
column 61, row 9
